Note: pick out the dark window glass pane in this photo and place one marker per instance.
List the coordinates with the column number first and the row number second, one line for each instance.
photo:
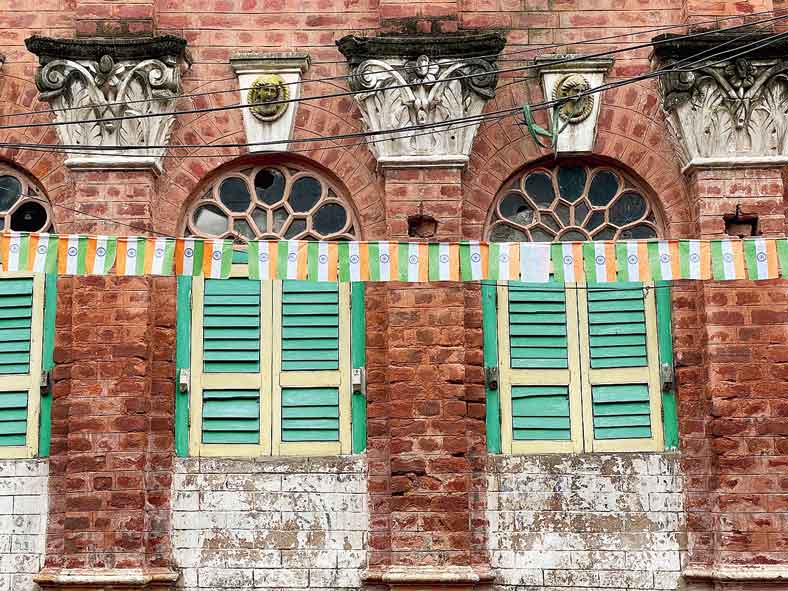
column 243, row 228
column 209, row 219
column 573, row 236
column 562, row 211
column 571, row 182
column 295, row 229
column 235, row 194
column 280, row 217
column 10, row 189
column 628, row 208
column 606, row 233
column 2, row 223
column 540, row 188
column 596, row 220
column 260, row 217
column 506, row 233
column 541, row 235
column 269, row 184
column 516, row 208
column 549, row 221
column 638, row 232
column 330, row 218
column 30, row 217
column 305, row 194
column 581, row 211
column 604, row 187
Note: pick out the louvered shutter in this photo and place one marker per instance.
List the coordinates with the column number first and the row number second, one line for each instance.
column 311, row 403
column 538, row 363
column 622, row 409
column 21, row 338
column 230, row 364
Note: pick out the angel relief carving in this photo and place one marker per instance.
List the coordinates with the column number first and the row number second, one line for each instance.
column 110, row 96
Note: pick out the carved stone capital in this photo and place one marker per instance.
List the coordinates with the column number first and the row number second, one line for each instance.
column 725, row 112
column 406, row 83
column 89, row 82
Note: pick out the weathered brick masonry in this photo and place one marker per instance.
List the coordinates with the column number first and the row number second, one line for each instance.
column 426, row 500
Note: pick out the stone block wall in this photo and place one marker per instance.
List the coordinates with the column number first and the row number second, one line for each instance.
column 23, row 517
column 585, row 521
column 270, row 523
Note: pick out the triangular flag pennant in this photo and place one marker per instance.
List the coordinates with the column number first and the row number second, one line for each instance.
column 761, row 257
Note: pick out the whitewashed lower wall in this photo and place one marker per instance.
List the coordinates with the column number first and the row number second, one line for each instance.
column 589, row 521
column 270, row 523
column 23, row 514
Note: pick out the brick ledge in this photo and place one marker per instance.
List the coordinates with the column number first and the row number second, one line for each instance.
column 737, row 573
column 109, row 579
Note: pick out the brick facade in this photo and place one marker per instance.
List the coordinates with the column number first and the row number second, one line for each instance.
column 435, row 501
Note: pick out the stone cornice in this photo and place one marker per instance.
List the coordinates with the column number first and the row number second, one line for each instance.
column 674, row 46
column 106, row 579
column 93, row 49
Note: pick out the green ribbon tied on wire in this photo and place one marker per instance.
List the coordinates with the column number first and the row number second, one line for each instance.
column 556, row 125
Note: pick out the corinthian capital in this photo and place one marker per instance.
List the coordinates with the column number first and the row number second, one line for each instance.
column 723, row 112
column 408, row 83
column 90, row 82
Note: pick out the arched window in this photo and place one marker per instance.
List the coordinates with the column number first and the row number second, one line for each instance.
column 22, row 205
column 579, row 365
column 272, row 202
column 270, row 361
column 571, row 201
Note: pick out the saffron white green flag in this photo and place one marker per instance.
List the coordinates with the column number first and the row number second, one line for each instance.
column 262, row 260
column 567, row 258
column 727, row 259
column 188, row 256
column 444, row 261
column 217, row 258
column 761, row 257
column 473, row 261
column 383, row 261
column 159, row 256
column 504, row 261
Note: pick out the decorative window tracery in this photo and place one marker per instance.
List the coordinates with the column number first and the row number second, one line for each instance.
column 272, row 202
column 22, row 205
column 571, row 201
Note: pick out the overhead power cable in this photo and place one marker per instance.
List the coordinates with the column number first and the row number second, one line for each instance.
column 592, row 41
column 392, row 86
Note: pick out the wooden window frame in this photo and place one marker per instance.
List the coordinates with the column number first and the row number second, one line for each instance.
column 580, row 377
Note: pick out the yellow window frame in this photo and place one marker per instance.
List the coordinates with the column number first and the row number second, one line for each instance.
column 579, row 378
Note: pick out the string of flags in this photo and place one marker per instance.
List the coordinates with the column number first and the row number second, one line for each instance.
column 564, row 262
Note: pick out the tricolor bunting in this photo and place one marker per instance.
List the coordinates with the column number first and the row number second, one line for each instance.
column 292, row 259
column 188, row 256
column 14, row 251
column 353, row 261
column 695, row 259
column 263, row 259
column 727, row 260
column 782, row 254
column 504, row 261
column 664, row 260
column 217, row 258
column 600, row 261
column 383, row 261
column 567, row 261
column 632, row 261
column 444, row 261
column 159, row 256
column 473, row 260
column 322, row 261
column 131, row 255
column 761, row 257
column 71, row 256
column 42, row 257
column 535, row 262
column 412, row 262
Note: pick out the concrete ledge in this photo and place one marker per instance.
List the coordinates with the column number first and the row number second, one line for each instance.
column 106, row 579
column 424, row 578
column 737, row 573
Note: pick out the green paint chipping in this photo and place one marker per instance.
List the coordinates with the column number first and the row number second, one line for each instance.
column 47, row 364
column 182, row 361
column 670, row 424
column 490, row 333
column 358, row 354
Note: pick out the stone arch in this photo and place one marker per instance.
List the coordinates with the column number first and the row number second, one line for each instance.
column 630, row 134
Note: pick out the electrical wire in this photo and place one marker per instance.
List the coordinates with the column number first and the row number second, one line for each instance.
column 389, row 87
column 407, row 68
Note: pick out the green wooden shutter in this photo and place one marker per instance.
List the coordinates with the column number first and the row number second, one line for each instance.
column 231, row 326
column 538, row 369
column 16, row 313
column 310, row 414
column 231, row 416
column 621, row 383
column 310, row 326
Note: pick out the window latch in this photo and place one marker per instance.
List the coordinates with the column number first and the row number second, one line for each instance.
column 184, row 377
column 358, row 379
column 491, row 377
column 666, row 376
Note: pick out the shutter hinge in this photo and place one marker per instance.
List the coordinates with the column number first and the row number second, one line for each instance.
column 184, row 378
column 666, row 376
column 43, row 383
column 491, row 377
column 358, row 379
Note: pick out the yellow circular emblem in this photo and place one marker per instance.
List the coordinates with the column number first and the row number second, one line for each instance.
column 264, row 96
